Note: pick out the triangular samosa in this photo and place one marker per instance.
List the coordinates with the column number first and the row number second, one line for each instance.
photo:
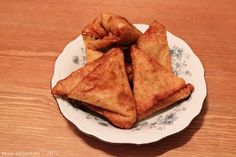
column 107, row 88
column 154, row 86
column 154, row 43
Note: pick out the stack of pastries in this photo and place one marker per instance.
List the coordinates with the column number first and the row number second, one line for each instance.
column 127, row 75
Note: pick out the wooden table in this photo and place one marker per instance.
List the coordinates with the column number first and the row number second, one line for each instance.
column 33, row 33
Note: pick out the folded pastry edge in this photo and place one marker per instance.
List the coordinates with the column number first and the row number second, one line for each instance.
column 166, row 101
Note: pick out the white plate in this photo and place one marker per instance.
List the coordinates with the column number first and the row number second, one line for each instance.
column 185, row 64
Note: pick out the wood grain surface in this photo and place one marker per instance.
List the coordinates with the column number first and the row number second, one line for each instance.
column 33, row 33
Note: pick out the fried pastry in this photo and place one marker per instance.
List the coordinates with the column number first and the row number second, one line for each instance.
column 112, row 68
column 109, row 29
column 65, row 86
column 154, row 43
column 92, row 55
column 154, row 86
column 107, row 90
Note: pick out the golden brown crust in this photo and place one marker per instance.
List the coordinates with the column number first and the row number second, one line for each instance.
column 65, row 86
column 92, row 55
column 129, row 71
column 115, row 118
column 108, row 29
column 168, row 100
column 154, row 43
column 107, row 87
column 154, row 86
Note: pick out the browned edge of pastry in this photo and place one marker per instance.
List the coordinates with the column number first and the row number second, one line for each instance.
column 168, row 100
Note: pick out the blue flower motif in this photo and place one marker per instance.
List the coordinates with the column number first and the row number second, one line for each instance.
column 169, row 119
column 75, row 59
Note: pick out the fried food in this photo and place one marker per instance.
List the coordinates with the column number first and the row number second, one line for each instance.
column 121, row 81
column 65, row 86
column 154, row 43
column 107, row 88
column 154, row 86
column 129, row 71
column 92, row 55
column 109, row 29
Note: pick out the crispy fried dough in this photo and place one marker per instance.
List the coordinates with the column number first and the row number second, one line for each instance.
column 108, row 29
column 154, row 86
column 102, row 84
column 107, row 88
column 92, row 55
column 154, row 43
column 65, row 86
